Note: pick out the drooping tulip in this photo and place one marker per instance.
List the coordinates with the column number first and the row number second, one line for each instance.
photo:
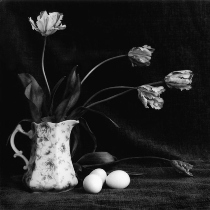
column 179, row 79
column 151, row 95
column 182, row 167
column 140, row 56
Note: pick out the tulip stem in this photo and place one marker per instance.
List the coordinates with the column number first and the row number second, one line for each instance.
column 105, row 89
column 156, row 83
column 94, row 68
column 112, row 97
column 116, row 95
column 43, row 52
column 126, row 159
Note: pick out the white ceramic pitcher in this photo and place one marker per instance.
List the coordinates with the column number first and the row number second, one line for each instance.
column 50, row 167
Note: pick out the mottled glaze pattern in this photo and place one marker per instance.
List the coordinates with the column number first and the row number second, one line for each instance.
column 50, row 167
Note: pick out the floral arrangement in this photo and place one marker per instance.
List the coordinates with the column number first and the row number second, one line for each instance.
column 42, row 103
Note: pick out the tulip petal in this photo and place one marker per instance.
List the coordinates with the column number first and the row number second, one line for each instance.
column 140, row 55
column 50, row 32
column 52, row 19
column 151, row 95
column 143, row 100
column 59, row 18
column 61, row 27
column 182, row 167
column 42, row 21
column 186, row 88
column 42, row 13
column 156, row 103
column 40, row 26
column 34, row 27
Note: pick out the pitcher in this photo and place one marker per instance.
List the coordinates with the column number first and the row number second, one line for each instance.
column 50, row 167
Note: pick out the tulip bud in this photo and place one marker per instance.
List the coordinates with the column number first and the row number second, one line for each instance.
column 179, row 79
column 151, row 95
column 48, row 24
column 140, row 56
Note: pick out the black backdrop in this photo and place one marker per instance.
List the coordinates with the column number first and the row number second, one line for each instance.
column 96, row 30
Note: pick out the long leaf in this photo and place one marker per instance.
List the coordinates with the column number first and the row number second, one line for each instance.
column 33, row 91
column 76, row 137
column 76, row 114
column 63, row 108
column 75, row 133
column 74, row 97
column 96, row 158
column 53, row 93
column 82, row 110
column 70, row 96
column 85, row 125
column 71, row 83
column 34, row 94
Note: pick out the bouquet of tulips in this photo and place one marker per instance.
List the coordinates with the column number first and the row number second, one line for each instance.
column 42, row 103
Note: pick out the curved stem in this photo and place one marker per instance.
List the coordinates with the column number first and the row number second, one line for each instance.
column 156, row 83
column 109, row 98
column 45, row 39
column 145, row 157
column 119, row 94
column 105, row 89
column 93, row 69
column 125, row 159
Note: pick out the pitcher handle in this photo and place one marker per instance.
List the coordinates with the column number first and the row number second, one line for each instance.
column 12, row 143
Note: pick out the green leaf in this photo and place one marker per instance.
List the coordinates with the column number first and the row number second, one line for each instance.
column 34, row 94
column 96, row 158
column 76, row 113
column 77, row 167
column 71, row 83
column 71, row 96
column 76, row 142
column 85, row 125
column 48, row 119
column 53, row 93
column 75, row 137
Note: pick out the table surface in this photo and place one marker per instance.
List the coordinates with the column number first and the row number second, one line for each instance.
column 157, row 188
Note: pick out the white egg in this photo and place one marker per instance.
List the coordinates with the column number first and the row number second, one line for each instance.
column 118, row 179
column 100, row 172
column 92, row 183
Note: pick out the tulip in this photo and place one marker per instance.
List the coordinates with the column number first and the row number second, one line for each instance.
column 151, row 95
column 141, row 56
column 48, row 24
column 179, row 79
column 182, row 167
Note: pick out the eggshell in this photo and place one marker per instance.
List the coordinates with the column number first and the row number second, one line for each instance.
column 100, row 172
column 92, row 183
column 118, row 179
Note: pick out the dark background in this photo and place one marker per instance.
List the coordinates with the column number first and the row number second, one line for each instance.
column 96, row 30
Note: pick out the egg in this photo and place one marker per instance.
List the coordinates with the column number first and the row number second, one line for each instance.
column 92, row 183
column 118, row 179
column 101, row 173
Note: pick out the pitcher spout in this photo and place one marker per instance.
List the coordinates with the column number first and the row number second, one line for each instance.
column 73, row 122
